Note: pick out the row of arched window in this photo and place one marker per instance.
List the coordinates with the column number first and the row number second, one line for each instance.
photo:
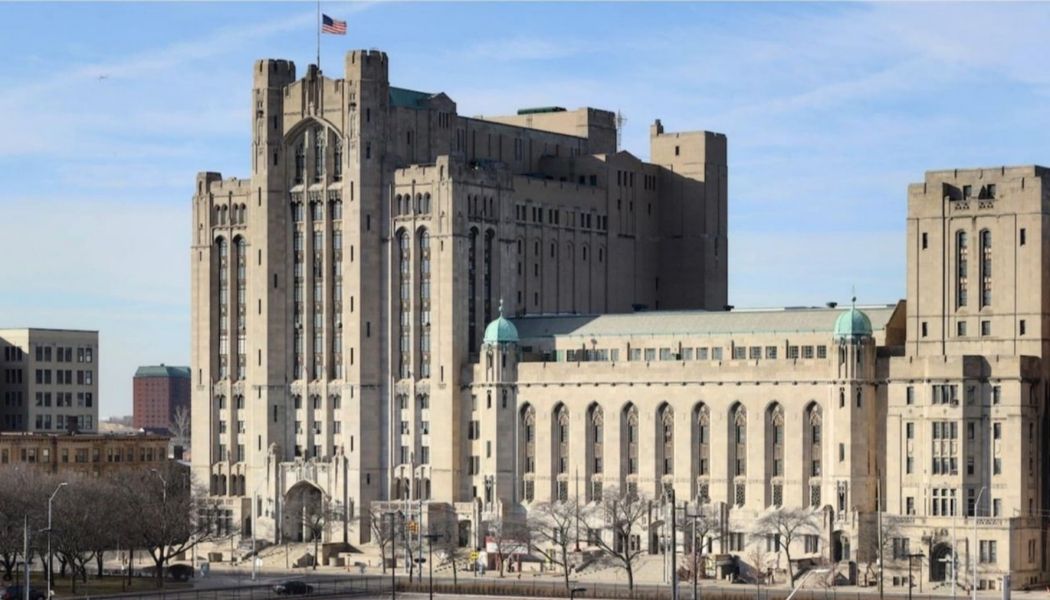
column 223, row 308
column 232, row 214
column 405, row 204
column 663, row 443
column 420, row 317
column 318, row 140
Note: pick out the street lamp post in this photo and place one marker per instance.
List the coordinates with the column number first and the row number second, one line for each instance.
column 920, row 556
column 696, row 557
column 973, row 551
column 430, row 551
column 49, row 501
column 164, row 483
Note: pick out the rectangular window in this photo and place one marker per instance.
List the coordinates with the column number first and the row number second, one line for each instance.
column 986, row 328
column 909, row 395
column 960, row 329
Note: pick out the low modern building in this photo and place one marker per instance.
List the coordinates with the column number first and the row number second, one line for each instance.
column 88, row 454
column 50, row 380
column 161, row 393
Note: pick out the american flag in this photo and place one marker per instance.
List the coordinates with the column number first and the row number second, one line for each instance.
column 333, row 26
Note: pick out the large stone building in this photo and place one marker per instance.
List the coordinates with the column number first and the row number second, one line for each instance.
column 50, row 380
column 376, row 237
column 341, row 354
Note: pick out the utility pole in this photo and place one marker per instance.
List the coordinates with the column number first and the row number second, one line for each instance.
column 973, row 552
column 674, row 549
column 49, row 559
column 882, row 542
column 25, row 557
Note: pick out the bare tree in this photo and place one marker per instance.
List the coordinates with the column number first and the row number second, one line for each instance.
column 384, row 532
column 83, row 520
column 22, row 497
column 316, row 519
column 551, row 527
column 166, row 517
column 180, row 426
column 509, row 535
column 622, row 518
column 786, row 526
column 704, row 524
column 448, row 545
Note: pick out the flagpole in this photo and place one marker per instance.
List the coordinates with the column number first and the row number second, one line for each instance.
column 318, row 35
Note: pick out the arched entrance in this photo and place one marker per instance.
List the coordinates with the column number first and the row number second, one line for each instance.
column 940, row 562
column 304, row 517
column 840, row 546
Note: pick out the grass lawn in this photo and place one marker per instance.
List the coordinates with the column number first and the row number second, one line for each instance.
column 62, row 586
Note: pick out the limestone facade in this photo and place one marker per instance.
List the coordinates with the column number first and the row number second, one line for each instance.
column 340, row 295
column 350, row 278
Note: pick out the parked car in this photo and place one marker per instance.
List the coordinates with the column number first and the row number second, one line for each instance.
column 15, row 592
column 180, row 572
column 293, row 588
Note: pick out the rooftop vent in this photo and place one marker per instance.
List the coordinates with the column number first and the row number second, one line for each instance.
column 540, row 109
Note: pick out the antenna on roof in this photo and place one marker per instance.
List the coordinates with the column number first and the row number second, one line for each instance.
column 620, row 120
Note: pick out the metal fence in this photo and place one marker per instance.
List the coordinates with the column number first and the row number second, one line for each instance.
column 380, row 585
column 321, row 587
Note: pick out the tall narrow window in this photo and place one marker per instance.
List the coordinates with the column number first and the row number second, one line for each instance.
column 489, row 235
column 703, row 453
column 812, row 451
column 629, row 445
column 986, row 268
column 738, row 442
column 337, row 159
column 300, row 162
column 665, row 441
column 560, row 451
column 424, row 304
column 596, row 454
column 318, row 304
column 298, row 259
column 472, row 289
column 963, row 263
column 222, row 259
column 404, row 276
column 319, row 134
column 242, row 303
column 527, row 453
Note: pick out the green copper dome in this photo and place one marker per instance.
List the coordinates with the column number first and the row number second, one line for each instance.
column 501, row 331
column 852, row 324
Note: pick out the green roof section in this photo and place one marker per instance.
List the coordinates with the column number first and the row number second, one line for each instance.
column 403, row 98
column 540, row 109
column 852, row 324
column 163, row 371
column 700, row 322
column 501, row 331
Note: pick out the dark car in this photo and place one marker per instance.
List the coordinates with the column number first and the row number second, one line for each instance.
column 15, row 592
column 293, row 588
column 180, row 572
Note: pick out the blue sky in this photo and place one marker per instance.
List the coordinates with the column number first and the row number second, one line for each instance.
column 831, row 110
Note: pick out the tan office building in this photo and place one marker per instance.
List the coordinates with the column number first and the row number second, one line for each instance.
column 347, row 344
column 50, row 380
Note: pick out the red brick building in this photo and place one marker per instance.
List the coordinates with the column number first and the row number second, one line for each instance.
column 159, row 391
